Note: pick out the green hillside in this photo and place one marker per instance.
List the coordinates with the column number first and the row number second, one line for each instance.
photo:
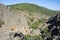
column 33, row 8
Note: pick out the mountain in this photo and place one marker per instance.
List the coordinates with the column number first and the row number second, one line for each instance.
column 25, row 18
column 33, row 8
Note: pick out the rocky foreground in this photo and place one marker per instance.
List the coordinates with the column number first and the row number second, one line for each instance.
column 18, row 21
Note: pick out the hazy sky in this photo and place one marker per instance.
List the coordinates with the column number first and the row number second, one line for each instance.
column 51, row 4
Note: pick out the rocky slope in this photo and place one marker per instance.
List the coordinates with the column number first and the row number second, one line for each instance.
column 20, row 21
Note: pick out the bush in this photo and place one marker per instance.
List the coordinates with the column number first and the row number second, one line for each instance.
column 36, row 37
column 1, row 23
column 35, row 25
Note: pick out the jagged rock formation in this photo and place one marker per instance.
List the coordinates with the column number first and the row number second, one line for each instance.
column 19, row 21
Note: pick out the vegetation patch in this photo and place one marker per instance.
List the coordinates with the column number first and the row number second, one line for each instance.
column 48, row 34
column 35, row 25
column 1, row 23
column 36, row 37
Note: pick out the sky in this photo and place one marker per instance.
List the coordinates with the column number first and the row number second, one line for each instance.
column 50, row 4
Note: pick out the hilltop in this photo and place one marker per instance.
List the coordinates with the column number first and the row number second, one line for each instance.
column 33, row 8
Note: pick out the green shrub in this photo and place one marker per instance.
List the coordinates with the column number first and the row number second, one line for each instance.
column 1, row 23
column 46, row 31
column 36, row 37
column 35, row 25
